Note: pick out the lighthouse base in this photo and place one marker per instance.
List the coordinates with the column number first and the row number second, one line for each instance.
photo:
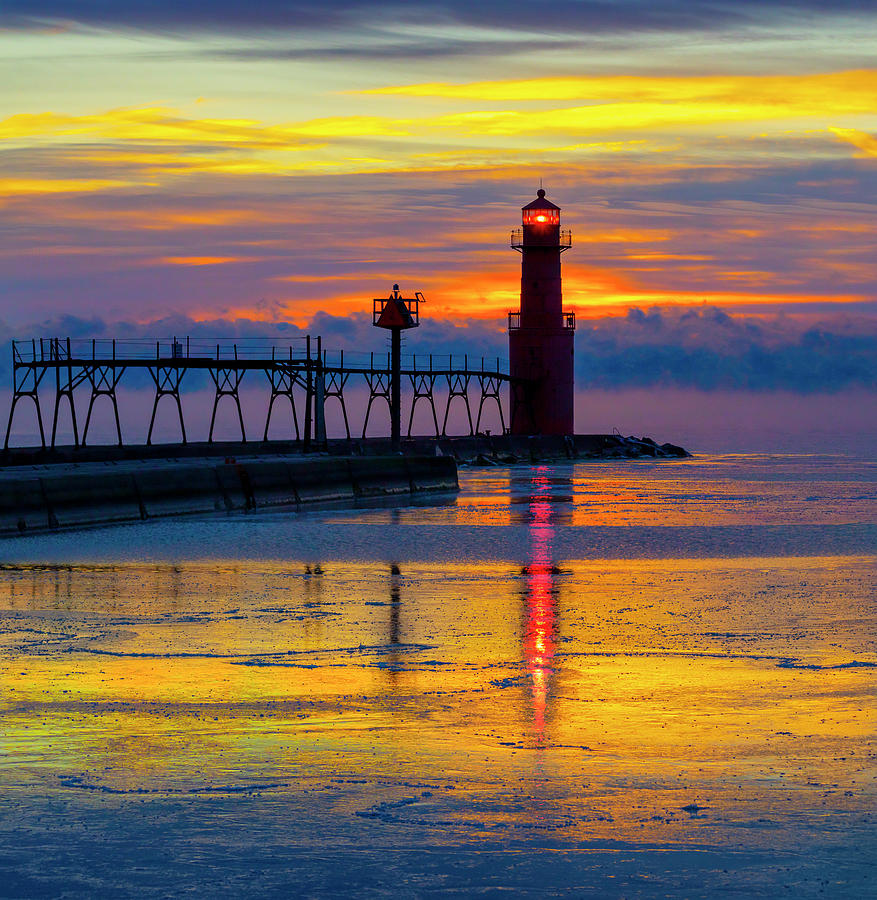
column 542, row 402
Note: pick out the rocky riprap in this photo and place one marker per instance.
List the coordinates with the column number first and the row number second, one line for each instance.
column 610, row 446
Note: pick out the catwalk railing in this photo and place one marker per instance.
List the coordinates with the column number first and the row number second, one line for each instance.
column 298, row 369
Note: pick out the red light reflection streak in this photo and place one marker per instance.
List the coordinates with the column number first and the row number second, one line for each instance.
column 539, row 626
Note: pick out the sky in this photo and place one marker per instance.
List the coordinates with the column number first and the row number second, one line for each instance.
column 220, row 168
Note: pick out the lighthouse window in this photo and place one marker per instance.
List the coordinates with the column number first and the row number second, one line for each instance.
column 542, row 217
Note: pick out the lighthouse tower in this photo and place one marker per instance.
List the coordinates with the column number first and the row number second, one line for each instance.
column 541, row 334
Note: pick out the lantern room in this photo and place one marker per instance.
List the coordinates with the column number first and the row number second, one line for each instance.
column 541, row 211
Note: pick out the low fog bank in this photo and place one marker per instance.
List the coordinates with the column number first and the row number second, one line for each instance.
column 737, row 421
column 701, row 421
column 703, row 348
column 699, row 377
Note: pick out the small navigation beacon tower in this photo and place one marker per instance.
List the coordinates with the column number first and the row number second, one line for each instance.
column 541, row 334
column 396, row 313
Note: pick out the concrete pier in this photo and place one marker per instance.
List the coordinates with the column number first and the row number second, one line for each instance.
column 43, row 488
column 63, row 494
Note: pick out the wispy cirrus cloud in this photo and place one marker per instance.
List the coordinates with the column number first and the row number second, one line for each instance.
column 597, row 15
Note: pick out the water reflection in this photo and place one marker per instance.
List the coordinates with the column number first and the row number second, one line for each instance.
column 540, row 491
column 393, row 657
column 540, row 597
column 744, row 686
column 312, row 595
column 313, row 585
column 395, row 578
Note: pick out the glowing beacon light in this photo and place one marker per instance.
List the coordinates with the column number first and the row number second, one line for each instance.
column 541, row 211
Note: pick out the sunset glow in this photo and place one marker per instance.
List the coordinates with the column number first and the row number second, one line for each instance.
column 262, row 174
column 440, row 448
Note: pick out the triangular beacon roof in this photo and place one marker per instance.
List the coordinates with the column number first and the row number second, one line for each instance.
column 540, row 202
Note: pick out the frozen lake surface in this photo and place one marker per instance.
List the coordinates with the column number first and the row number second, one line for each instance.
column 604, row 679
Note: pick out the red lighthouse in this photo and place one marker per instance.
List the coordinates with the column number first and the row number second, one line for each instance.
column 541, row 334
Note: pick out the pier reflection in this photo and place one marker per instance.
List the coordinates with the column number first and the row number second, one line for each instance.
column 394, row 659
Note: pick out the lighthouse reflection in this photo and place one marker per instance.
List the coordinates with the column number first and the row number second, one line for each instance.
column 539, row 631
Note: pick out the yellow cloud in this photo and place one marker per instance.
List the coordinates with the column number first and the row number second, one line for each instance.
column 151, row 125
column 577, row 117
column 16, row 186
column 352, row 126
column 853, row 89
column 611, row 103
column 865, row 142
column 619, row 103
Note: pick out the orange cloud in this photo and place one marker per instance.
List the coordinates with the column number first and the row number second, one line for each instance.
column 203, row 260
column 361, row 277
column 654, row 255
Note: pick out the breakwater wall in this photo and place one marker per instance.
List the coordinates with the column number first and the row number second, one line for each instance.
column 35, row 498
column 508, row 449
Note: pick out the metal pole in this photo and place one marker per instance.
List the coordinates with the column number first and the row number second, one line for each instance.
column 320, row 399
column 395, row 388
column 309, row 387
